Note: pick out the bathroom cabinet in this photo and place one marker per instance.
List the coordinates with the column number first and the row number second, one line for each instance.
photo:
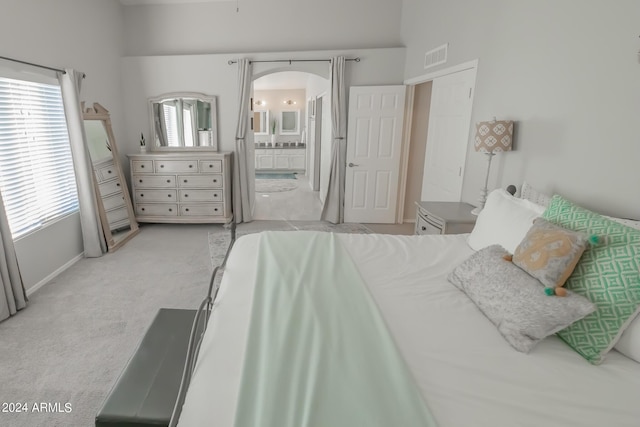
column 293, row 159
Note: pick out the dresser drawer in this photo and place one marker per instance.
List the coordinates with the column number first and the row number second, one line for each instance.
column 200, row 195
column 155, row 195
column 200, row 181
column 160, row 209
column 168, row 166
column 428, row 226
column 113, row 202
column 211, row 166
column 154, row 181
column 110, row 187
column 142, row 166
column 209, row 209
column 106, row 173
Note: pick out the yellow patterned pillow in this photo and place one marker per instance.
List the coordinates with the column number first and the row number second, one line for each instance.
column 549, row 252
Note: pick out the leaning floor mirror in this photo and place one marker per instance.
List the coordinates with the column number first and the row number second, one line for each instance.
column 114, row 203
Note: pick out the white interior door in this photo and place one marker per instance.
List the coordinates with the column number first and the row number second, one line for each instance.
column 374, row 139
column 448, row 136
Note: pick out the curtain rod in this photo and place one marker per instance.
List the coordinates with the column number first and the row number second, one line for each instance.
column 295, row 60
column 38, row 65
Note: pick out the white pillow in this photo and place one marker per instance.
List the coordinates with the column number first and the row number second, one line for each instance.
column 629, row 342
column 504, row 221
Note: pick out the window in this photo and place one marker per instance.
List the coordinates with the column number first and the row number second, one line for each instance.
column 36, row 171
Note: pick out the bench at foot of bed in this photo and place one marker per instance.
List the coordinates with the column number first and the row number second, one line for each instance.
column 147, row 389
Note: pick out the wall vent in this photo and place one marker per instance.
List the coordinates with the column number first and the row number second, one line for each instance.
column 436, row 56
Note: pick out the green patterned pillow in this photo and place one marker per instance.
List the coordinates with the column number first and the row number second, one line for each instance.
column 608, row 274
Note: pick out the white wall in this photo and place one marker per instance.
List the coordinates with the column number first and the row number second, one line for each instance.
column 567, row 72
column 260, row 26
column 85, row 35
column 149, row 76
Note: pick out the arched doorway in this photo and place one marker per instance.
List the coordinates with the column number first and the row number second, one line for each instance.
column 289, row 130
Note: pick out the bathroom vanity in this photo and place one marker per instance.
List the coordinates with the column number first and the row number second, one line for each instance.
column 281, row 157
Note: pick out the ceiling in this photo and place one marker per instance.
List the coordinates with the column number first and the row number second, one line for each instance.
column 282, row 80
column 148, row 2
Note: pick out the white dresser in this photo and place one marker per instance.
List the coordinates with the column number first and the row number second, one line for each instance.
column 192, row 187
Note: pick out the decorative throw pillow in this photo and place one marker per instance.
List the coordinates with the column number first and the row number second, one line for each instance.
column 504, row 221
column 533, row 195
column 608, row 274
column 513, row 300
column 550, row 252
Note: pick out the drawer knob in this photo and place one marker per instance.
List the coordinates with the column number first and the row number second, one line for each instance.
column 186, row 210
column 168, row 181
column 186, row 195
column 142, row 209
column 424, row 228
column 210, row 165
column 168, row 195
column 186, row 180
column 215, row 180
column 140, row 180
column 118, row 184
column 190, row 166
column 108, row 171
column 141, row 195
column 170, row 210
column 215, row 209
column 161, row 166
column 215, row 195
column 141, row 166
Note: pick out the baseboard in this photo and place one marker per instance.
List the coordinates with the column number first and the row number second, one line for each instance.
column 47, row 279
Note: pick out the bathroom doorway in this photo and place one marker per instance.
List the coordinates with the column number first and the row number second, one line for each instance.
column 288, row 136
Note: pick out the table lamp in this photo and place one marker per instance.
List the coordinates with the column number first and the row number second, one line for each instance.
column 491, row 138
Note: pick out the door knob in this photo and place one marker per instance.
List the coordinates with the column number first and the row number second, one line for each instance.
column 352, row 165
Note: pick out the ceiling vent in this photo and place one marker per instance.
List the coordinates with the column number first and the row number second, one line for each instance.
column 436, row 56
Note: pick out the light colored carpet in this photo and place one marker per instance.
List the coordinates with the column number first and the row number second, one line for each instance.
column 76, row 335
column 275, row 185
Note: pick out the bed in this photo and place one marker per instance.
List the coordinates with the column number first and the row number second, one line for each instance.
column 466, row 372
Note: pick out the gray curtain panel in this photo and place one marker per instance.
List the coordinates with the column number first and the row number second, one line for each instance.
column 333, row 209
column 12, row 293
column 92, row 234
column 160, row 125
column 243, row 158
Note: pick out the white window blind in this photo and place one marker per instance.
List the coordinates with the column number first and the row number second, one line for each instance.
column 36, row 170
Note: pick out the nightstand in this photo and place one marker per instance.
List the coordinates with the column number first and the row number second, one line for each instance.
column 444, row 218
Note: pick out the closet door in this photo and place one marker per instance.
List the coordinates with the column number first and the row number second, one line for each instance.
column 448, row 136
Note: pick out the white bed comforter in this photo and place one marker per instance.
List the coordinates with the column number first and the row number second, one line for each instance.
column 468, row 374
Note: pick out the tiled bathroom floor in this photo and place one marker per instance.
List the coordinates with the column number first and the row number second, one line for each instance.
column 301, row 204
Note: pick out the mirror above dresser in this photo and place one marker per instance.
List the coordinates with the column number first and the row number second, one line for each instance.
column 183, row 121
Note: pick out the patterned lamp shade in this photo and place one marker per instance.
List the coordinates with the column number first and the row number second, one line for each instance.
column 495, row 136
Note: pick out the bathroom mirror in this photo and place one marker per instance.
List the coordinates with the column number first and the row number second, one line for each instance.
column 114, row 203
column 183, row 121
column 261, row 122
column 290, row 122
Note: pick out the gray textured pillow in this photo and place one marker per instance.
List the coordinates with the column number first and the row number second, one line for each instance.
column 514, row 301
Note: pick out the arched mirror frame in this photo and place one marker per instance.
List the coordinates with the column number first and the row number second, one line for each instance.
column 119, row 237
column 213, row 120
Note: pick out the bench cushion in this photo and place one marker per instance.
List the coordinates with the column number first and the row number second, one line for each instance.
column 147, row 389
